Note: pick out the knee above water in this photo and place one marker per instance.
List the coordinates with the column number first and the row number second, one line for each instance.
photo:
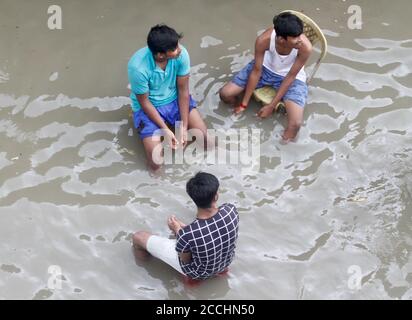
column 136, row 236
column 223, row 95
column 295, row 125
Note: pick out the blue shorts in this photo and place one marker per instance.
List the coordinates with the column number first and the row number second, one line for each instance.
column 297, row 92
column 169, row 113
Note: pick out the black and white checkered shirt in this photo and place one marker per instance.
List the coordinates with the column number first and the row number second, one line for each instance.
column 211, row 241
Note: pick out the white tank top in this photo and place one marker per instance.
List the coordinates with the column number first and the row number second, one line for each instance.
column 280, row 64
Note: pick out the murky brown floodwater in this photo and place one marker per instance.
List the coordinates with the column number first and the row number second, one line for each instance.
column 73, row 183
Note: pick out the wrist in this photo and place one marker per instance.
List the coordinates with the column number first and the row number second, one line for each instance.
column 164, row 126
column 242, row 106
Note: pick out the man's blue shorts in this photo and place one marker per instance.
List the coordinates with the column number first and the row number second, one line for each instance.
column 297, row 92
column 169, row 113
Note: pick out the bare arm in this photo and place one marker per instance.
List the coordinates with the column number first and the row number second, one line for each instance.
column 175, row 225
column 301, row 59
column 261, row 45
column 183, row 96
column 154, row 115
column 150, row 110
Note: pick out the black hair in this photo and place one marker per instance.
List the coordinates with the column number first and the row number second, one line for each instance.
column 287, row 25
column 162, row 38
column 202, row 188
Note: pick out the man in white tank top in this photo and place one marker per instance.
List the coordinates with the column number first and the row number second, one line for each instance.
column 280, row 55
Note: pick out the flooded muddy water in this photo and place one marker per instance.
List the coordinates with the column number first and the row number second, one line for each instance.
column 318, row 213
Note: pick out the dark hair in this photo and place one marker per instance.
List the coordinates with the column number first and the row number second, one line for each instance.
column 287, row 25
column 162, row 38
column 202, row 188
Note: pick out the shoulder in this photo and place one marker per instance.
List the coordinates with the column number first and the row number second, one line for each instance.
column 184, row 55
column 184, row 50
column 139, row 62
column 228, row 208
column 263, row 40
column 187, row 231
column 306, row 48
column 228, row 214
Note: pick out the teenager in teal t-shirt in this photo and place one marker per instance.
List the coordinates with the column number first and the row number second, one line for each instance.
column 159, row 79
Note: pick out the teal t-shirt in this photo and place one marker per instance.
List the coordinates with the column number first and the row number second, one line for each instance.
column 146, row 77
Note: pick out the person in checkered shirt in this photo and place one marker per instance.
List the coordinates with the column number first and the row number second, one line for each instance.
column 204, row 247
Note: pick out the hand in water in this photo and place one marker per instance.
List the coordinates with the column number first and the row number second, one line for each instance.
column 240, row 108
column 171, row 138
column 265, row 111
column 183, row 136
column 174, row 224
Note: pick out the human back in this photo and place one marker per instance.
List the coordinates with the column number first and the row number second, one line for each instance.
column 212, row 242
column 211, row 238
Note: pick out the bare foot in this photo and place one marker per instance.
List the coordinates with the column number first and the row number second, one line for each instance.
column 285, row 140
column 155, row 172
